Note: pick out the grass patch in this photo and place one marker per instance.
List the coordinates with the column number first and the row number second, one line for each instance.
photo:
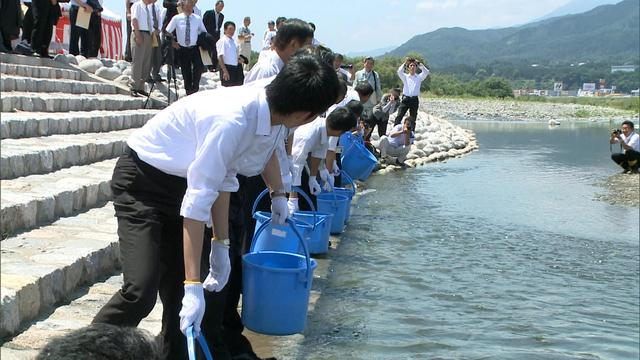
column 582, row 113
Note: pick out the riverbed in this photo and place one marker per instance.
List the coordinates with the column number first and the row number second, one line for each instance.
column 504, row 253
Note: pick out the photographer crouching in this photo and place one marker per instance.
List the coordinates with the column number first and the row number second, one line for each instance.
column 629, row 141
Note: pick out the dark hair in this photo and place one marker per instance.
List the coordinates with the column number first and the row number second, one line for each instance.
column 369, row 58
column 342, row 88
column 355, row 107
column 101, row 342
column 271, row 22
column 341, row 119
column 290, row 30
column 227, row 24
column 339, row 57
column 219, row 2
column 313, row 26
column 628, row 123
column 280, row 19
column 305, row 83
column 364, row 88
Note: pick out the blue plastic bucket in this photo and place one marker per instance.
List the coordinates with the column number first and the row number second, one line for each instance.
column 348, row 192
column 276, row 287
column 278, row 237
column 337, row 205
column 318, row 240
column 357, row 161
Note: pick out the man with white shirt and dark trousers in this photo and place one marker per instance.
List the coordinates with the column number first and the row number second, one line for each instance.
column 176, row 175
column 629, row 141
column 187, row 26
column 77, row 33
column 410, row 89
column 142, row 24
column 227, row 51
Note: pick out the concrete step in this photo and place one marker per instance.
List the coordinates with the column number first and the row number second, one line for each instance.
column 34, row 200
column 21, row 83
column 44, row 72
column 30, row 156
column 61, row 102
column 31, row 61
column 44, row 267
column 28, row 124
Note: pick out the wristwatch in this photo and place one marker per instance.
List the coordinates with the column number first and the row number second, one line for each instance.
column 219, row 241
column 277, row 193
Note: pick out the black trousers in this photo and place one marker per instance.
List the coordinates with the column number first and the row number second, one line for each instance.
column 191, row 68
column 381, row 123
column 42, row 26
column 77, row 33
column 147, row 203
column 27, row 23
column 626, row 160
column 127, row 48
column 95, row 35
column 236, row 76
column 411, row 104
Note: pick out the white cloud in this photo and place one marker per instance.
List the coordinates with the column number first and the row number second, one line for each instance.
column 436, row 4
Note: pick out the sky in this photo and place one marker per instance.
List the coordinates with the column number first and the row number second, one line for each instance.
column 361, row 25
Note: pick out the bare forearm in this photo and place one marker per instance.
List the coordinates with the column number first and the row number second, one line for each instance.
column 330, row 158
column 271, row 174
column 313, row 166
column 220, row 215
column 193, row 232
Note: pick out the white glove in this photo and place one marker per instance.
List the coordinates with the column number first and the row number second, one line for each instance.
column 327, row 178
column 293, row 205
column 279, row 210
column 292, row 168
column 219, row 267
column 335, row 170
column 192, row 308
column 314, row 187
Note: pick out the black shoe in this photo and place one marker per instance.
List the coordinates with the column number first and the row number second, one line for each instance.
column 159, row 80
column 142, row 92
column 150, row 81
column 135, row 93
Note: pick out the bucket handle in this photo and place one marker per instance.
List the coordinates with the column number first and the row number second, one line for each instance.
column 299, row 191
column 191, row 348
column 300, row 240
column 350, row 179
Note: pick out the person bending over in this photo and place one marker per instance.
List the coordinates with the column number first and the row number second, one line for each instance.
column 629, row 141
column 176, row 175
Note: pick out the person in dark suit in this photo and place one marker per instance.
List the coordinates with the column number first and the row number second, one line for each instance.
column 45, row 15
column 213, row 20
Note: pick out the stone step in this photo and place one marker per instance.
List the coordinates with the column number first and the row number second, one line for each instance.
column 31, row 61
column 44, row 72
column 34, row 200
column 44, row 267
column 30, row 156
column 21, row 83
column 27, row 124
column 61, row 102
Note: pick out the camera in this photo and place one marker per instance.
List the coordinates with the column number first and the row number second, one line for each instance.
column 350, row 66
column 616, row 132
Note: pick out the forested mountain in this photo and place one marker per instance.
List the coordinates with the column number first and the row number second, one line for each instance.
column 607, row 33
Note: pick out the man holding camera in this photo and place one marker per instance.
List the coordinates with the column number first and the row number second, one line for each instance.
column 411, row 89
column 629, row 141
column 398, row 143
column 368, row 75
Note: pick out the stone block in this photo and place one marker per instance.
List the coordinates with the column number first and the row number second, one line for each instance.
column 90, row 65
column 62, row 58
column 109, row 73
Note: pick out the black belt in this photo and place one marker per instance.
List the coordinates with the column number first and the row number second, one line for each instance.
column 409, row 97
column 144, row 31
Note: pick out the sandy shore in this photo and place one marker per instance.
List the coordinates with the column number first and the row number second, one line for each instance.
column 511, row 110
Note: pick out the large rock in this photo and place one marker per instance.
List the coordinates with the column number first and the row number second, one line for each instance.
column 107, row 62
column 61, row 58
column 126, row 71
column 72, row 59
column 90, row 65
column 109, row 73
column 123, row 79
column 80, row 58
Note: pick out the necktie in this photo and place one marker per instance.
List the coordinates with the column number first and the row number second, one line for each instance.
column 155, row 17
column 148, row 18
column 216, row 16
column 187, row 35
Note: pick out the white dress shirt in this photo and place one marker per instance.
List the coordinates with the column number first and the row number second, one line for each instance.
column 227, row 48
column 412, row 82
column 267, row 66
column 77, row 2
column 139, row 12
column 398, row 141
column 351, row 95
column 179, row 24
column 159, row 16
column 268, row 38
column 208, row 138
column 196, row 10
column 308, row 138
column 633, row 140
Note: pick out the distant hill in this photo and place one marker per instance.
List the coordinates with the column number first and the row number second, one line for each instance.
column 576, row 7
column 606, row 33
column 374, row 52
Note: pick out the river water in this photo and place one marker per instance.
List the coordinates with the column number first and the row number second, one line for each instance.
column 501, row 254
